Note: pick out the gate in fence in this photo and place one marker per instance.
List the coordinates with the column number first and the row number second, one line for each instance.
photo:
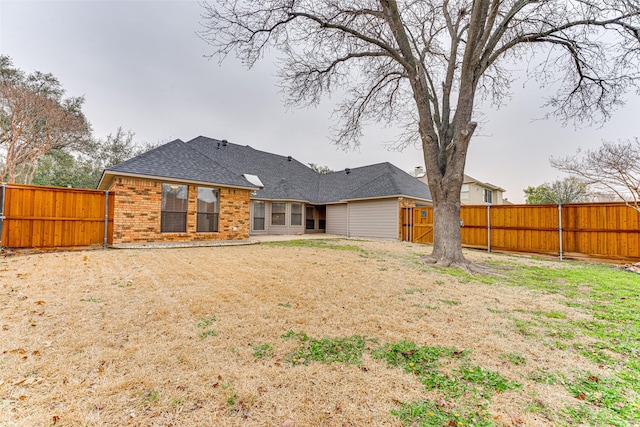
column 599, row 230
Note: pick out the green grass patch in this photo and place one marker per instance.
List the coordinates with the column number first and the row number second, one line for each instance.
column 261, row 351
column 429, row 414
column 471, row 386
column 347, row 350
column 204, row 326
column 515, row 358
column 611, row 297
column 550, row 314
column 315, row 243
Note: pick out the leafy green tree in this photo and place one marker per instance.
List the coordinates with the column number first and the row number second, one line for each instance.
column 60, row 168
column 83, row 168
column 567, row 190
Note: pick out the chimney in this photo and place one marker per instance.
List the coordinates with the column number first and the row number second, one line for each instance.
column 289, row 158
column 224, row 142
column 418, row 171
column 347, row 171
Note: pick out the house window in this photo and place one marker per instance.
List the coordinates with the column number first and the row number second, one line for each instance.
column 487, row 196
column 258, row 215
column 174, row 208
column 296, row 214
column 464, row 192
column 208, row 209
column 278, row 210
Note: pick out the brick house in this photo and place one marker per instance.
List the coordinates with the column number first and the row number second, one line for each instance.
column 208, row 189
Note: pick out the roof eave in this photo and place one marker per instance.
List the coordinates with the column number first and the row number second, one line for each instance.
column 168, row 178
column 393, row 196
column 267, row 199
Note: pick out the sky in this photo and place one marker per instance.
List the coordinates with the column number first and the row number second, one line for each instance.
column 140, row 65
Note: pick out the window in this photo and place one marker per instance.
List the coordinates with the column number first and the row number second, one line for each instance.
column 258, row 215
column 208, row 209
column 487, row 195
column 464, row 192
column 278, row 210
column 296, row 214
column 174, row 208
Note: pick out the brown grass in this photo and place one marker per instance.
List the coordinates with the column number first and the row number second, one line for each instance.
column 110, row 338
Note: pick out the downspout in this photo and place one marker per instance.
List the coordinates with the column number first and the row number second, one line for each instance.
column 2, row 196
column 560, row 229
column 106, row 219
column 488, row 228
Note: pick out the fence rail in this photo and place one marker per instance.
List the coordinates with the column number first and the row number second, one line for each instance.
column 51, row 217
column 599, row 230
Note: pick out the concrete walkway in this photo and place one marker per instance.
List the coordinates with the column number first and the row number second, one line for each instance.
column 253, row 240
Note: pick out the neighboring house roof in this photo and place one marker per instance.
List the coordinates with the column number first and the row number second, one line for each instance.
column 470, row 180
column 283, row 177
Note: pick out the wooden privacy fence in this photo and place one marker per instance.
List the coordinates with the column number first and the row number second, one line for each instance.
column 50, row 217
column 599, row 230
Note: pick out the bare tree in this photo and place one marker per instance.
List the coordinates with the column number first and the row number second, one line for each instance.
column 427, row 64
column 614, row 167
column 34, row 119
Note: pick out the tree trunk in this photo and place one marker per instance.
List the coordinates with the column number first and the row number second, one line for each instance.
column 447, row 249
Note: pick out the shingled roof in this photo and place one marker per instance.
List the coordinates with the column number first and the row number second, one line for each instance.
column 219, row 162
column 284, row 178
column 177, row 161
column 370, row 182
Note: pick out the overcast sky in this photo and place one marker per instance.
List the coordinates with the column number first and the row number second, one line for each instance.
column 140, row 65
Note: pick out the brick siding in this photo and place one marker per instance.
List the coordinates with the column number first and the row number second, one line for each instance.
column 137, row 213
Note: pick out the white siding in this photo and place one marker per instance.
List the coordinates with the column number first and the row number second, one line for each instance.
column 337, row 219
column 374, row 218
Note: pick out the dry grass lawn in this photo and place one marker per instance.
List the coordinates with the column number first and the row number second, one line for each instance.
column 121, row 337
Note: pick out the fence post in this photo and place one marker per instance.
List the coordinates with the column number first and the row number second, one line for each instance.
column 488, row 228
column 106, row 219
column 411, row 224
column 560, row 227
column 2, row 197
